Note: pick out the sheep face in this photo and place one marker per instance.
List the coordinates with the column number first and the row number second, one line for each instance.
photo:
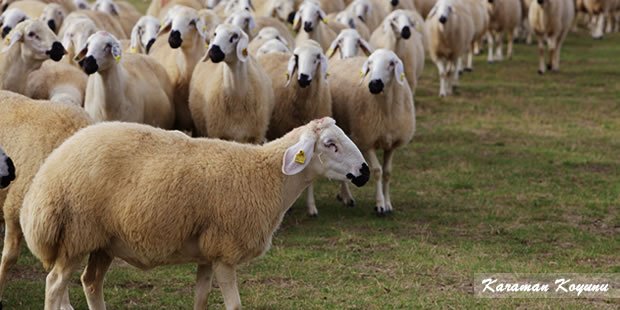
column 183, row 23
column 348, row 42
column 38, row 41
column 272, row 46
column 399, row 23
column 270, row 33
column 53, row 15
column 106, row 6
column 283, row 10
column 347, row 18
column 242, row 19
column 309, row 14
column 229, row 44
column 361, row 9
column 443, row 10
column 309, row 61
column 7, row 170
column 81, row 4
column 382, row 66
column 324, row 149
column 76, row 34
column 144, row 33
column 238, row 5
column 102, row 51
column 10, row 18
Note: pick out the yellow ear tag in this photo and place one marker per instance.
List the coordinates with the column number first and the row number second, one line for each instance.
column 362, row 73
column 206, row 45
column 117, row 58
column 327, row 74
column 402, row 76
column 300, row 157
column 245, row 52
column 329, row 51
column 7, row 40
column 324, row 20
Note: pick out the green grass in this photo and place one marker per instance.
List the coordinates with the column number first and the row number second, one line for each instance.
column 517, row 173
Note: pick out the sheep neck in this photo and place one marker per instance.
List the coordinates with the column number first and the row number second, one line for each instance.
column 113, row 85
column 389, row 97
column 235, row 76
column 16, row 68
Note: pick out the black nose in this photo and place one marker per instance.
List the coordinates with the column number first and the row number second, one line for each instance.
column 56, row 52
column 375, row 86
column 490, row 1
column 304, row 80
column 5, row 31
column 291, row 17
column 52, row 24
column 308, row 27
column 443, row 19
column 216, row 54
column 149, row 45
column 5, row 180
column 405, row 33
column 89, row 65
column 362, row 179
column 175, row 39
column 541, row 1
column 394, row 2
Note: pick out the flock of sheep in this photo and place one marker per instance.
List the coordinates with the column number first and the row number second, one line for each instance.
column 264, row 77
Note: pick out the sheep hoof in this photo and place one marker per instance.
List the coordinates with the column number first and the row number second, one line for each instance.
column 380, row 211
column 541, row 72
column 549, row 67
column 348, row 203
column 313, row 215
column 469, row 70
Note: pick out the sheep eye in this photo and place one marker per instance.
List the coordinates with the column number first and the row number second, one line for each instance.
column 234, row 37
column 31, row 34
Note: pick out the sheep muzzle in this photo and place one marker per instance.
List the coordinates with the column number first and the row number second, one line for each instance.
column 376, row 86
column 5, row 31
column 304, row 80
column 89, row 65
column 394, row 2
column 308, row 27
column 52, row 24
column 362, row 179
column 56, row 52
column 405, row 33
column 174, row 39
column 291, row 17
column 5, row 180
column 443, row 19
column 216, row 54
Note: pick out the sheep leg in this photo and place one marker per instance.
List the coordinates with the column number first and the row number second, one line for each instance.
column 499, row 40
column 345, row 195
column 491, row 45
column 10, row 252
column 65, row 304
column 454, row 78
column 598, row 28
column 377, row 174
column 57, row 281
column 312, row 211
column 92, row 278
column 609, row 27
column 227, row 279
column 441, row 67
column 388, row 157
column 204, row 279
column 510, row 45
column 470, row 59
column 541, row 55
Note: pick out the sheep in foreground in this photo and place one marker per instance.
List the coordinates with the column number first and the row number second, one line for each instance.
column 7, row 170
column 551, row 20
column 143, row 34
column 231, row 96
column 349, row 44
column 57, row 82
column 505, row 19
column 379, row 116
column 451, row 31
column 172, row 208
column 300, row 96
column 29, row 131
column 312, row 18
column 10, row 18
column 29, row 44
column 186, row 34
column 404, row 34
column 133, row 89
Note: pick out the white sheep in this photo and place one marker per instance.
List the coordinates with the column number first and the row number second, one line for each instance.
column 7, row 170
column 451, row 31
column 505, row 19
column 551, row 20
column 161, row 198
column 159, row 8
column 349, row 44
column 252, row 25
column 479, row 13
column 82, row 4
column 29, row 44
column 102, row 20
column 134, row 88
column 265, row 35
column 404, row 34
column 368, row 12
column 392, row 5
column 186, row 31
column 74, row 33
column 271, row 46
column 378, row 116
column 300, row 96
column 57, row 82
column 231, row 96
column 29, row 130
column 599, row 10
column 350, row 20
column 311, row 18
column 284, row 10
column 10, row 18
column 126, row 13
column 54, row 15
column 32, row 8
column 225, row 8
column 144, row 34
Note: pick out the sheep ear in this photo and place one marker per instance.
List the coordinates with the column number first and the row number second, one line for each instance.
column 334, row 47
column 114, row 9
column 66, row 41
column 165, row 26
column 292, row 67
column 324, row 66
column 322, row 16
column 364, row 72
column 298, row 157
column 116, row 52
column 242, row 47
column 201, row 27
column 14, row 36
column 135, row 39
column 82, row 54
column 297, row 22
column 251, row 24
column 399, row 72
column 365, row 46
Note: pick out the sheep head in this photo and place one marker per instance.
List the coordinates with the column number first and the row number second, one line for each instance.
column 400, row 23
column 7, row 170
column 143, row 34
column 310, row 15
column 183, row 23
column 10, row 18
column 37, row 40
column 348, row 42
column 53, row 15
column 242, row 19
column 102, row 50
column 309, row 62
column 229, row 44
column 383, row 66
column 272, row 46
column 284, row 10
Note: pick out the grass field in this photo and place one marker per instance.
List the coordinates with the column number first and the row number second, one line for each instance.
column 517, row 173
